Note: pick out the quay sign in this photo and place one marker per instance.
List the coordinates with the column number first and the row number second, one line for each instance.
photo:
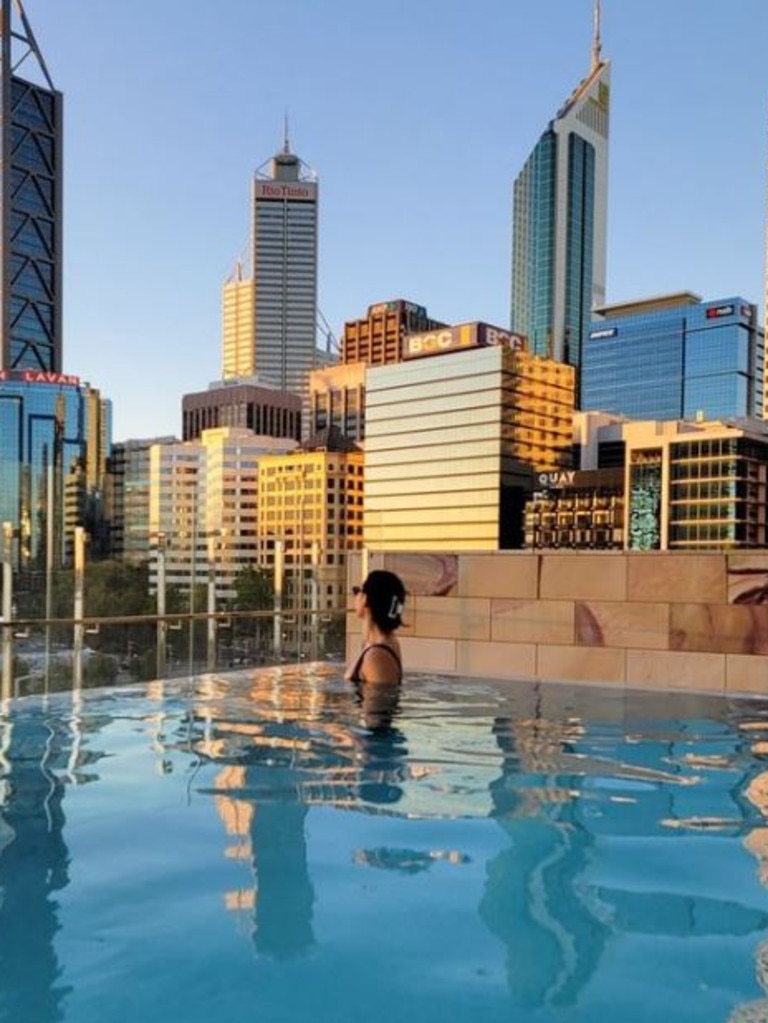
column 38, row 376
column 465, row 335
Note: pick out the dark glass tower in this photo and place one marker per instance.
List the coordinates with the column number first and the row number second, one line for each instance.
column 30, row 201
column 559, row 234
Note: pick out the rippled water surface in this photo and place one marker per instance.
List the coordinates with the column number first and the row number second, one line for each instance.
column 271, row 846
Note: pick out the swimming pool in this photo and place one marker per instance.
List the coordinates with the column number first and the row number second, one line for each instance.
column 259, row 846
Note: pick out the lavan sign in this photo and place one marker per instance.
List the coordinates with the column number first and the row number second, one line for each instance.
column 38, row 376
column 465, row 335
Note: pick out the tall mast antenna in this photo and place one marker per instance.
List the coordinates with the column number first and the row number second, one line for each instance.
column 286, row 143
column 596, row 44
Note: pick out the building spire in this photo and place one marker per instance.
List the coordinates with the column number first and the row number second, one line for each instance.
column 286, row 143
column 596, row 44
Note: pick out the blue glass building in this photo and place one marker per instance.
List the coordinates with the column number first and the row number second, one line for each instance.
column 676, row 357
column 559, row 232
column 54, row 433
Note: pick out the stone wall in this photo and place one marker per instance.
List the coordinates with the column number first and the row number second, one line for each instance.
column 641, row 620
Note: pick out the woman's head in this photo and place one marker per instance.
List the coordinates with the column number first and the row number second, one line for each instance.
column 384, row 595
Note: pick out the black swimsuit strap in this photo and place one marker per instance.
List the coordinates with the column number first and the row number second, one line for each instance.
column 355, row 677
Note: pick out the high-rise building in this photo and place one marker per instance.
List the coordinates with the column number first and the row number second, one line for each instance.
column 312, row 501
column 337, row 400
column 377, row 339
column 243, row 403
column 203, row 503
column 30, row 202
column 55, row 433
column 676, row 357
column 127, row 498
column 54, row 442
column 269, row 321
column 559, row 210
column 454, row 434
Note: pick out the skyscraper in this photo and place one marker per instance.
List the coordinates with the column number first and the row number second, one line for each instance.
column 559, row 209
column 270, row 306
column 30, row 202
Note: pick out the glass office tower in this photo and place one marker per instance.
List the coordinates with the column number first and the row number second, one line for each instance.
column 30, row 202
column 676, row 357
column 51, row 470
column 559, row 232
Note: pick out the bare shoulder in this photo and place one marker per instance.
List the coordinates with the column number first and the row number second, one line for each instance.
column 381, row 664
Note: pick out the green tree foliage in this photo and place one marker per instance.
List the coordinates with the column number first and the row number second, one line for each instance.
column 254, row 591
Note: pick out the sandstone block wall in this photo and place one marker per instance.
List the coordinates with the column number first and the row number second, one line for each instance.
column 640, row 620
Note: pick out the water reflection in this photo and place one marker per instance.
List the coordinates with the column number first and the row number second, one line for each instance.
column 557, row 837
column 34, row 866
column 294, row 747
column 582, row 806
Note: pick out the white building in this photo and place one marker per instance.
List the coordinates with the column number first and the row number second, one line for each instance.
column 203, row 505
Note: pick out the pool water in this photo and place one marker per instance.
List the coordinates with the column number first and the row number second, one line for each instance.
column 269, row 846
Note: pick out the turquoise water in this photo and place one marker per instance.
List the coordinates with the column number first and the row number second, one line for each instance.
column 263, row 847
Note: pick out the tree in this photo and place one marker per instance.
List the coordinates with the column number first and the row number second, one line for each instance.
column 254, row 590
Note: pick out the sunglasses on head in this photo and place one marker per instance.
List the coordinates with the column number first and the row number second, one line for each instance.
column 356, row 590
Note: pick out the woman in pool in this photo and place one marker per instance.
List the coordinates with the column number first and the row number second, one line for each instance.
column 379, row 602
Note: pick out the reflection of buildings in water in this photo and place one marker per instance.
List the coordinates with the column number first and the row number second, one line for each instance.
column 408, row 861
column 757, row 843
column 33, row 866
column 272, row 838
column 293, row 745
column 543, row 896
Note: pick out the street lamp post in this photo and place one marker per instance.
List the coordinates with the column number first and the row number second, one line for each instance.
column 79, row 602
column 162, row 625
column 7, row 610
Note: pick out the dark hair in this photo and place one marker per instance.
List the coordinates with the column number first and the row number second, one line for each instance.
column 385, row 596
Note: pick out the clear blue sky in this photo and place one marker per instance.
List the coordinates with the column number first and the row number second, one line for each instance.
column 417, row 115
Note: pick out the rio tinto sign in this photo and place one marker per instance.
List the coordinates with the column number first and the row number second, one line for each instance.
column 465, row 335
column 298, row 191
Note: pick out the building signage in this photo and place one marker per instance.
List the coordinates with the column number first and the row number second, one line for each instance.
column 564, row 478
column 596, row 335
column 38, row 376
column 297, row 191
column 716, row 311
column 397, row 306
column 746, row 311
column 465, row 335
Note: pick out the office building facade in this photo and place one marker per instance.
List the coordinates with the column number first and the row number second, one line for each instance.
column 203, row 507
column 30, row 203
column 377, row 339
column 337, row 400
column 312, row 502
column 55, row 435
column 653, row 485
column 269, row 320
column 243, row 404
column 559, row 230
column 676, row 357
column 127, row 498
column 454, row 435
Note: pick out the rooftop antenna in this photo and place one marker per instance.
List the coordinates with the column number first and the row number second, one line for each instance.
column 596, row 44
column 286, row 143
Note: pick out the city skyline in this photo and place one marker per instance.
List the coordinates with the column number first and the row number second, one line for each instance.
column 396, row 140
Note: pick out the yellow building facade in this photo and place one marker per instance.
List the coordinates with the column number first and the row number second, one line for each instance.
column 311, row 503
column 453, row 441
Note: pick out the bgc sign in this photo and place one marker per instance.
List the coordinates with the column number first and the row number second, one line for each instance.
column 465, row 335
